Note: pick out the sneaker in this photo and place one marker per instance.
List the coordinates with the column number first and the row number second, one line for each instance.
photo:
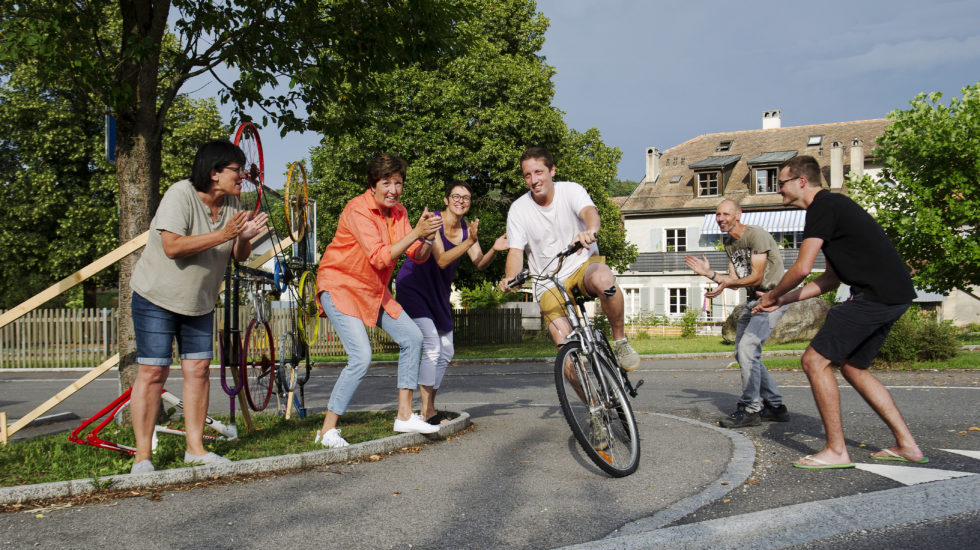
column 209, row 459
column 740, row 419
column 142, row 467
column 774, row 414
column 628, row 358
column 415, row 424
column 599, row 439
column 331, row 439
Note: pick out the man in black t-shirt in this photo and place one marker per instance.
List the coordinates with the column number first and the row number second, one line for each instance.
column 858, row 253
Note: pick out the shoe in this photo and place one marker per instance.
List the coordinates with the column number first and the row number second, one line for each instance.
column 599, row 440
column 142, row 467
column 627, row 356
column 209, row 459
column 740, row 419
column 774, row 414
column 415, row 424
column 438, row 418
column 331, row 439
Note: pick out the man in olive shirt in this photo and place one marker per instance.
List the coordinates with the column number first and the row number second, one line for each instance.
column 755, row 264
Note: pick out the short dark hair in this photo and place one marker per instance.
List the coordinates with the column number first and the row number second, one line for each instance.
column 804, row 166
column 538, row 153
column 454, row 184
column 214, row 155
column 385, row 165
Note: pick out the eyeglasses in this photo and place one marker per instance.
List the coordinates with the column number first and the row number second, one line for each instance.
column 460, row 198
column 781, row 183
column 240, row 169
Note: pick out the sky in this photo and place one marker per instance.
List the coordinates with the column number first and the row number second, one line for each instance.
column 657, row 73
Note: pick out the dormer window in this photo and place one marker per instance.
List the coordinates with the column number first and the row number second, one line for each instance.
column 675, row 179
column 708, row 184
column 814, row 141
column 723, row 146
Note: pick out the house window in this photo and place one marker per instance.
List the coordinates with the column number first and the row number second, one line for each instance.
column 676, row 240
column 724, row 145
column 789, row 240
column 708, row 184
column 814, row 141
column 631, row 302
column 675, row 179
column 765, row 180
column 676, row 301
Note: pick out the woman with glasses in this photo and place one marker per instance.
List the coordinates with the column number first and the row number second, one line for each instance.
column 423, row 290
column 197, row 227
column 373, row 232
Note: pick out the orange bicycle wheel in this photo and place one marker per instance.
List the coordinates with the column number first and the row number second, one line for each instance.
column 297, row 196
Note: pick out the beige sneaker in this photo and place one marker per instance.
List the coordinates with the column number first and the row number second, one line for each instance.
column 628, row 358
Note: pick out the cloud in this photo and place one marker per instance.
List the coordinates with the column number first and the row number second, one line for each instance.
column 913, row 56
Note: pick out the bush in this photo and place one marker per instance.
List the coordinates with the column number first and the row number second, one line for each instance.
column 485, row 295
column 917, row 336
column 689, row 323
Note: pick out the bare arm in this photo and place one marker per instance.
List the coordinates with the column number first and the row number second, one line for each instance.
column 513, row 266
column 589, row 215
column 238, row 227
column 781, row 294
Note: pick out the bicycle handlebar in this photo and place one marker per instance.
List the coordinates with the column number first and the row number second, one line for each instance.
column 524, row 275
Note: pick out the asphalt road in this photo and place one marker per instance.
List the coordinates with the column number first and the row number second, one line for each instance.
column 517, row 480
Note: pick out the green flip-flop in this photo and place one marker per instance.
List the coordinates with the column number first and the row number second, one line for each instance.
column 893, row 456
column 820, row 464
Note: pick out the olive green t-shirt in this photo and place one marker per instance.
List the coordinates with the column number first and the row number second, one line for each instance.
column 755, row 240
column 188, row 286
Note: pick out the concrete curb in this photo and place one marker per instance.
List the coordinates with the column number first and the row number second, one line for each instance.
column 56, row 489
column 811, row 521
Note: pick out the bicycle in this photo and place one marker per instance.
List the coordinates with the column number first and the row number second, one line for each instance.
column 114, row 410
column 592, row 387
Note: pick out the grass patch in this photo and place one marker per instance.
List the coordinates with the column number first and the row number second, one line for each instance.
column 966, row 360
column 53, row 458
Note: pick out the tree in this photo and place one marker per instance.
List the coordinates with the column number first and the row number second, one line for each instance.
column 927, row 198
column 621, row 188
column 468, row 118
column 120, row 57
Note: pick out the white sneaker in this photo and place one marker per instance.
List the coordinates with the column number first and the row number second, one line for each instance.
column 415, row 424
column 627, row 356
column 209, row 459
column 331, row 439
column 142, row 467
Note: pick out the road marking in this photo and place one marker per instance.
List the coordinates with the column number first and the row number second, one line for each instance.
column 971, row 454
column 846, row 386
column 911, row 475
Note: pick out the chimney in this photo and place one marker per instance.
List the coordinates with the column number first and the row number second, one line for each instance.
column 857, row 157
column 772, row 119
column 653, row 165
column 836, row 165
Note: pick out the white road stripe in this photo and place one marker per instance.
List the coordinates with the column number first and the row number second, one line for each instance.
column 911, row 475
column 971, row 454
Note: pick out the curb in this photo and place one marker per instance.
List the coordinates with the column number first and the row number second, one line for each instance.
column 57, row 489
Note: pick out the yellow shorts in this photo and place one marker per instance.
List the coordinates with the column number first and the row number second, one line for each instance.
column 551, row 302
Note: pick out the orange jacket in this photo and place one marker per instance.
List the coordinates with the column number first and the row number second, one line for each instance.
column 357, row 266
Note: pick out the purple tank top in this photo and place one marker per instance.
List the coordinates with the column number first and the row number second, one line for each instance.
column 423, row 289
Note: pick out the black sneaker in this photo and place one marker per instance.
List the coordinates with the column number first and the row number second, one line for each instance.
column 740, row 419
column 774, row 414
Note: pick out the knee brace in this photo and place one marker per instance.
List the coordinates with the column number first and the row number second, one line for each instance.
column 610, row 292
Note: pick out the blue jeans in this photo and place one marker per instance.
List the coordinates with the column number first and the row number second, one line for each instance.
column 751, row 333
column 155, row 329
column 353, row 335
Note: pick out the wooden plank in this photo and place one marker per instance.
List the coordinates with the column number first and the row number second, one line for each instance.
column 63, row 394
column 75, row 278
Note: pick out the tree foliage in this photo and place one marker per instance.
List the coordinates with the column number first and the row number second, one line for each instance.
column 469, row 117
column 927, row 198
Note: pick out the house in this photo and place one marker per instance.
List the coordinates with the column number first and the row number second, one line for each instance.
column 671, row 212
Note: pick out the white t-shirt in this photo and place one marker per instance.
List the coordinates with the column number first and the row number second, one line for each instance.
column 545, row 231
column 188, row 286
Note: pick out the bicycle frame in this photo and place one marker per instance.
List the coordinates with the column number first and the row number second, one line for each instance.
column 112, row 411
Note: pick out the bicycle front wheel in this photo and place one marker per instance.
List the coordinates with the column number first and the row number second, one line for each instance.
column 597, row 410
column 307, row 312
column 259, row 364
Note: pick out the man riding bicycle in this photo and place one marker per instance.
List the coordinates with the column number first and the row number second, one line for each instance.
column 543, row 223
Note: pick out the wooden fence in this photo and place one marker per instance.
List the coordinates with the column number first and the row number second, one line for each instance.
column 86, row 337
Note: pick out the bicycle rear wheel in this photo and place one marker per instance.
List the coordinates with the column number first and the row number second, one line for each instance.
column 247, row 138
column 259, row 364
column 307, row 312
column 601, row 419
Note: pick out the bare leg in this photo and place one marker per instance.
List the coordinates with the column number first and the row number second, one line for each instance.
column 195, row 394
column 827, row 396
column 144, row 404
column 329, row 421
column 404, row 404
column 880, row 400
column 428, row 396
column 598, row 279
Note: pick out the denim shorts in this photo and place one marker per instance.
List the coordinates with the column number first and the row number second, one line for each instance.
column 156, row 328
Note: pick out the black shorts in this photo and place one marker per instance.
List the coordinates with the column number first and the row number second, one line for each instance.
column 855, row 330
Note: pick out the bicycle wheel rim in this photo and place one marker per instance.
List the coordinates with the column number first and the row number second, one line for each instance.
column 296, row 194
column 259, row 364
column 247, row 138
column 307, row 312
column 287, row 368
column 606, row 430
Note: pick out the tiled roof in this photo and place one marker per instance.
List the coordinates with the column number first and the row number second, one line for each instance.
column 751, row 146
